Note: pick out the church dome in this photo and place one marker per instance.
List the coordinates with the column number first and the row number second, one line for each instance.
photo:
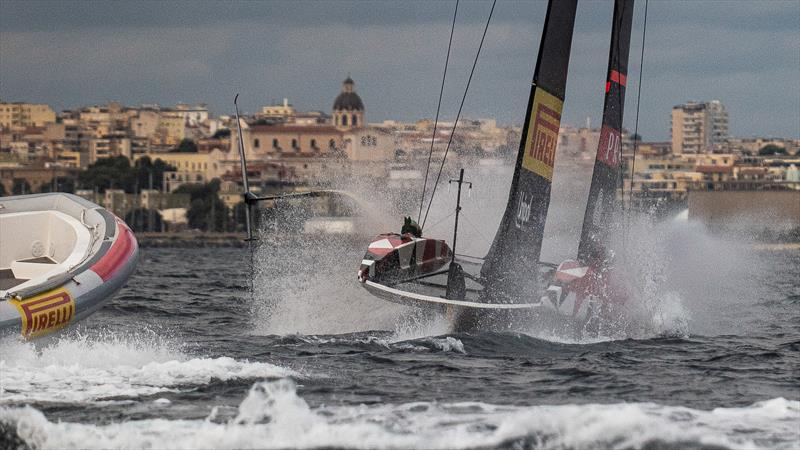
column 348, row 100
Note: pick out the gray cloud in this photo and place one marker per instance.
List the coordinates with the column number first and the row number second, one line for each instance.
column 74, row 53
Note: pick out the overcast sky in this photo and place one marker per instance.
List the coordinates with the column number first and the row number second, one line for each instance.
column 69, row 54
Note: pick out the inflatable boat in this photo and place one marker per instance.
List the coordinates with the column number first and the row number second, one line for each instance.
column 61, row 257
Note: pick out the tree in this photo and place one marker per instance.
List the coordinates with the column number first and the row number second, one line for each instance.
column 144, row 167
column 139, row 219
column 221, row 133
column 207, row 211
column 187, row 146
column 771, row 149
column 238, row 217
column 109, row 173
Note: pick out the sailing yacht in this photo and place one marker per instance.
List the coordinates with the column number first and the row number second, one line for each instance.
column 511, row 283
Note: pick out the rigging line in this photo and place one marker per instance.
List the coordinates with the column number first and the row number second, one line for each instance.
column 458, row 115
column 438, row 108
column 620, row 112
column 477, row 230
column 636, row 127
column 442, row 220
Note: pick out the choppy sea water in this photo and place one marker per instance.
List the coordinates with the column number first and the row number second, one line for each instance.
column 196, row 353
column 185, row 357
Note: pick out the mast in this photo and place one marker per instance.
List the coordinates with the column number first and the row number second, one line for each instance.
column 511, row 266
column 602, row 204
column 456, row 287
column 247, row 194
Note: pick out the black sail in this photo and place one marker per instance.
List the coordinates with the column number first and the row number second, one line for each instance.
column 511, row 266
column 603, row 205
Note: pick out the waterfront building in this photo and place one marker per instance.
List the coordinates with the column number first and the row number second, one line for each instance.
column 699, row 127
column 190, row 167
column 145, row 123
column 68, row 158
column 25, row 115
column 193, row 115
column 573, row 141
column 33, row 176
column 171, row 130
column 282, row 112
column 296, row 138
column 111, row 145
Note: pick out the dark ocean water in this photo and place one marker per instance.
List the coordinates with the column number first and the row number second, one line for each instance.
column 187, row 357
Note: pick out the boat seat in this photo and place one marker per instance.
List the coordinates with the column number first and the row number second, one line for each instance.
column 8, row 280
column 32, row 267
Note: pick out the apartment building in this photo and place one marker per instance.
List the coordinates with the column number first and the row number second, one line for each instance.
column 25, row 115
column 699, row 127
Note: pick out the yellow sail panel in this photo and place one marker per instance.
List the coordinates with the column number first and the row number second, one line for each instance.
column 540, row 147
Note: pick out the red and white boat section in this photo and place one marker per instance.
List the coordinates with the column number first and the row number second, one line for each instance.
column 396, row 265
column 61, row 258
column 393, row 257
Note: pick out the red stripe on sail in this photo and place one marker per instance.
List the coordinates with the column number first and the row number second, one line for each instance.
column 618, row 78
column 117, row 255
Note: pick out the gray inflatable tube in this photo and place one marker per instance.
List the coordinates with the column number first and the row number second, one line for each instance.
column 61, row 257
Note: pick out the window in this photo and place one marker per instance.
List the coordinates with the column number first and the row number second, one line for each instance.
column 275, row 144
column 314, row 144
column 344, row 121
column 294, row 144
column 355, row 120
column 256, row 143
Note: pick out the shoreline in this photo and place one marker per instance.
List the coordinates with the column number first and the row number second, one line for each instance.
column 187, row 239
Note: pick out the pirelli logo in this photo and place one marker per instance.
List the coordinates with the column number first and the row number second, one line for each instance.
column 46, row 312
column 608, row 149
column 540, row 147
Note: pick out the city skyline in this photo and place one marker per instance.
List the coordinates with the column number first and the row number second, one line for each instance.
column 74, row 54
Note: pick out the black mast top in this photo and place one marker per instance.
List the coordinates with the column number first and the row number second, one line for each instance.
column 599, row 219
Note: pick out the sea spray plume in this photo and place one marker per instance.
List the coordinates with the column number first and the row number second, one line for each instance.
column 719, row 278
column 642, row 259
column 417, row 323
column 686, row 279
column 305, row 282
column 276, row 403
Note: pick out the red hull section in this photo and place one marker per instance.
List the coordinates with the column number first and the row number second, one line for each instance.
column 120, row 253
column 394, row 257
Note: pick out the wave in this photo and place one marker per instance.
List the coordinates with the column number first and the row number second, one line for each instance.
column 274, row 416
column 81, row 369
column 387, row 341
